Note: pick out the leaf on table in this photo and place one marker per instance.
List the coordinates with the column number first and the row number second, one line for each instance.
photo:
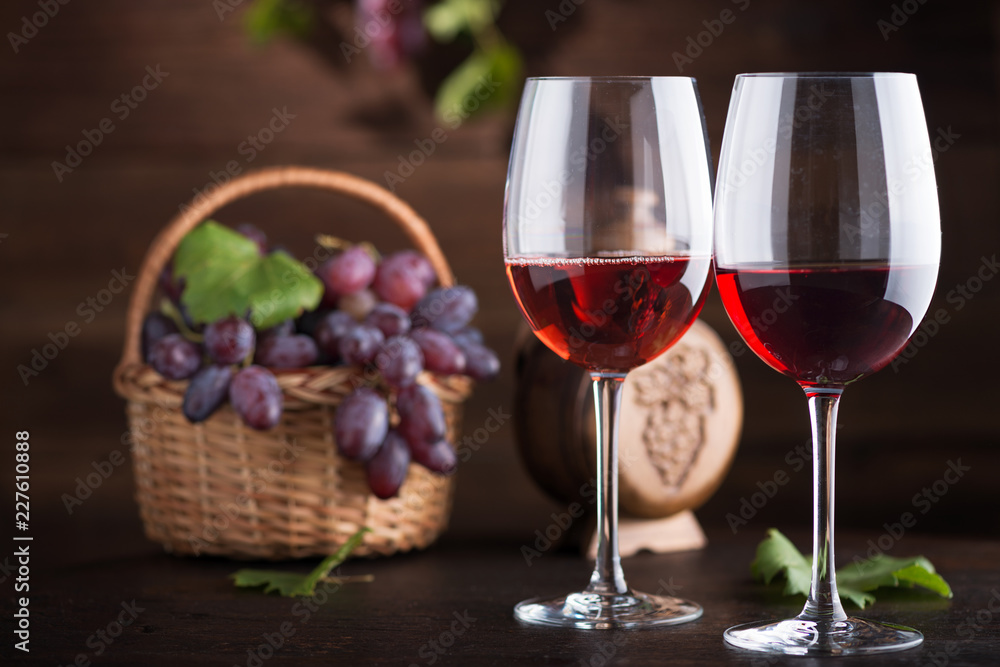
column 291, row 584
column 860, row 598
column 881, row 570
column 288, row 584
column 777, row 556
column 226, row 275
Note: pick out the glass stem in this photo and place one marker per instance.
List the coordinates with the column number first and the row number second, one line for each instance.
column 824, row 601
column 608, row 578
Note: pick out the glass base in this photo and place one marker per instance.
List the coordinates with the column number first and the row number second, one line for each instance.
column 593, row 611
column 796, row 636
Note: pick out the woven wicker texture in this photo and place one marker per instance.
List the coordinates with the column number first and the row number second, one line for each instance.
column 224, row 489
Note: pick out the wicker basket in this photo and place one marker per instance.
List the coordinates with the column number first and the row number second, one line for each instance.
column 221, row 488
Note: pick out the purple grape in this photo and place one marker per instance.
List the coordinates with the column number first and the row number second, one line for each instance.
column 421, row 417
column 209, row 389
column 360, row 344
column 359, row 304
column 229, row 340
column 175, row 357
column 441, row 354
column 308, row 321
column 155, row 327
column 467, row 335
column 171, row 287
column 446, row 308
column 387, row 469
column 361, row 424
column 436, row 456
column 286, row 328
column 389, row 318
column 331, row 329
column 256, row 397
column 296, row 351
column 481, row 363
column 403, row 278
column 400, row 361
column 255, row 235
column 348, row 272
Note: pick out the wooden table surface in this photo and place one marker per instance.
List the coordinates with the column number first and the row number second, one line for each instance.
column 450, row 605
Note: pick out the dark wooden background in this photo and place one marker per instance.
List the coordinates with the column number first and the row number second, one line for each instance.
column 62, row 240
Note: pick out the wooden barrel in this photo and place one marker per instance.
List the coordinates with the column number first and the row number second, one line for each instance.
column 680, row 425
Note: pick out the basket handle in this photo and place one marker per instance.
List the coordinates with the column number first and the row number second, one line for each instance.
column 163, row 245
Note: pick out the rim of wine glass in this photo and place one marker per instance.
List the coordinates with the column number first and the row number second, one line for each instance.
column 606, row 78
column 822, row 75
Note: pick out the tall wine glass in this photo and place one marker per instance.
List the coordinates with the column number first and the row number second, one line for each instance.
column 827, row 247
column 607, row 243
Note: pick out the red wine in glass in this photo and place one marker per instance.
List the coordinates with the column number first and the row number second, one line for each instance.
column 610, row 313
column 827, row 244
column 607, row 234
column 827, row 325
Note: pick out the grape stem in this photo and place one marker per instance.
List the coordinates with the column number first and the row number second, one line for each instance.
column 350, row 579
column 170, row 310
column 331, row 242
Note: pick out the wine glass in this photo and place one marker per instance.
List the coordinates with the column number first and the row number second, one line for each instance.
column 828, row 239
column 607, row 245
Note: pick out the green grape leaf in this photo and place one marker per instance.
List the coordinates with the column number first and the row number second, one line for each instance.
column 267, row 18
column 777, row 556
column 486, row 79
column 882, row 570
column 283, row 289
column 859, row 598
column 290, row 584
column 226, row 275
column 445, row 20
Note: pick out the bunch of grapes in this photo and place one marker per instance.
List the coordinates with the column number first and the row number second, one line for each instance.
column 390, row 318
column 217, row 368
column 385, row 317
column 215, row 357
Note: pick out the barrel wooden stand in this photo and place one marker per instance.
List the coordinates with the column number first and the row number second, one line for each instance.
column 680, row 425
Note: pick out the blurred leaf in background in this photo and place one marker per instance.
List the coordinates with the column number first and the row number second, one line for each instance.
column 490, row 77
column 393, row 32
column 448, row 18
column 266, row 19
